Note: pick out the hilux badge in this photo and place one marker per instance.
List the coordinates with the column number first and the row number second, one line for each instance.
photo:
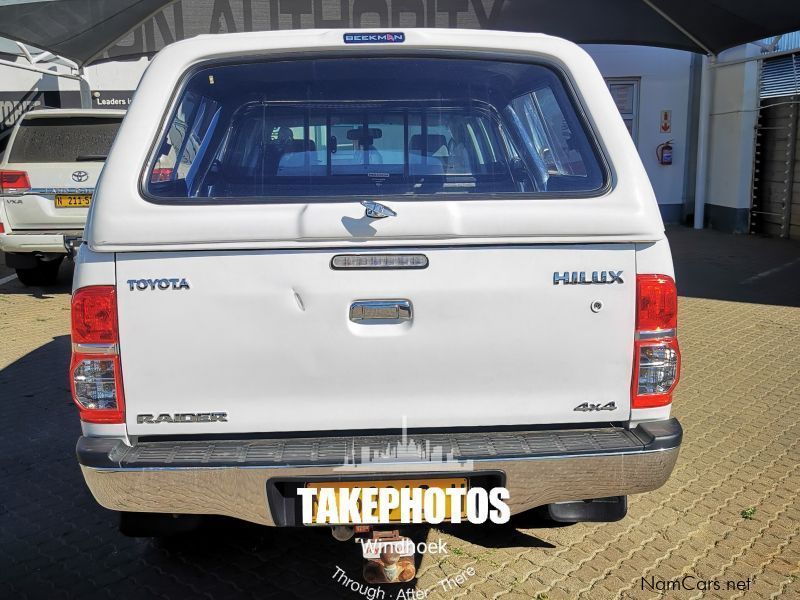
column 568, row 277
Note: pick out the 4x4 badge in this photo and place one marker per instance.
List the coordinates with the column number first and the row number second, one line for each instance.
column 589, row 407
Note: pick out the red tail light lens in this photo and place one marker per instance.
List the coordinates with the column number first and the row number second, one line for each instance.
column 657, row 357
column 14, row 182
column 95, row 373
column 656, row 303
column 94, row 315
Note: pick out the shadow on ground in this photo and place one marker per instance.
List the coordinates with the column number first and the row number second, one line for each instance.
column 62, row 286
column 739, row 268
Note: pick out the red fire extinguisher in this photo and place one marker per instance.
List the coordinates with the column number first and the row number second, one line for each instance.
column 664, row 153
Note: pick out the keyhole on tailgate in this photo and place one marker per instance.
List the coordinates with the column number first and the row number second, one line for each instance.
column 597, row 306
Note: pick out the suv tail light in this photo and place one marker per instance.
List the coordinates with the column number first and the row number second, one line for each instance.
column 14, row 182
column 160, row 174
column 95, row 374
column 657, row 357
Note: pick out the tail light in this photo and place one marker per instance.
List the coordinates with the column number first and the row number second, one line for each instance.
column 14, row 182
column 95, row 374
column 160, row 174
column 657, row 357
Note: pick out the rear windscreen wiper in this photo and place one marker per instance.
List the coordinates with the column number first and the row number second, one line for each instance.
column 88, row 157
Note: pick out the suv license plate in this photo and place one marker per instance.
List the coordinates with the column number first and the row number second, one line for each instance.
column 73, row 200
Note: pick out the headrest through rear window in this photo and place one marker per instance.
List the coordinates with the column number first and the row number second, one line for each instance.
column 435, row 142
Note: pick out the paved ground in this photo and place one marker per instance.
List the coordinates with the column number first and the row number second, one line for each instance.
column 738, row 401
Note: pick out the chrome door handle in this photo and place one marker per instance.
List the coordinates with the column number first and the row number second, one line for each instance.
column 380, row 310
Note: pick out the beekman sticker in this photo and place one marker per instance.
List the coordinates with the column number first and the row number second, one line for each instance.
column 374, row 38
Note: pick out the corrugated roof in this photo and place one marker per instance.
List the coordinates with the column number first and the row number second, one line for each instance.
column 781, row 76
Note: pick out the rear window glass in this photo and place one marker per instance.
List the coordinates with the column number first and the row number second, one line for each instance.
column 327, row 128
column 62, row 139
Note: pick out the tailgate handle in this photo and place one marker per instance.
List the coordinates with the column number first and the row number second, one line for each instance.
column 380, row 310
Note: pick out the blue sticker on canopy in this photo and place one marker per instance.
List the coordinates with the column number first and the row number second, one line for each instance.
column 374, row 38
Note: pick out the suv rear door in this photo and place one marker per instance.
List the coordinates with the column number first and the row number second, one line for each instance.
column 63, row 157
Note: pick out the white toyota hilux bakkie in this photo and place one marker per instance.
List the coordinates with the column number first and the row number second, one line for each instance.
column 410, row 258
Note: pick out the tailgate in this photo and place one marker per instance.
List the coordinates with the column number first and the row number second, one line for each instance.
column 268, row 338
column 72, row 183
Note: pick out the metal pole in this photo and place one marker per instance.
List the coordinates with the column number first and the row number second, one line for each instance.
column 788, row 173
column 38, row 69
column 85, row 88
column 701, row 178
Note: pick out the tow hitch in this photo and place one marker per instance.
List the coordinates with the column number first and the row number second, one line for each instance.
column 389, row 556
column 71, row 244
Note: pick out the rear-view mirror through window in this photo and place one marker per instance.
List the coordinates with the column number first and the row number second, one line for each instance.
column 321, row 129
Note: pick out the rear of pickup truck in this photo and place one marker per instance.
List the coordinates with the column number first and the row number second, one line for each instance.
column 433, row 262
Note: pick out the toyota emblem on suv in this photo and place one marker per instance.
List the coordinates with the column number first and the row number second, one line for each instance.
column 80, row 176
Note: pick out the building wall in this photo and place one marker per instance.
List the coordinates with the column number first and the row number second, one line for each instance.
column 21, row 91
column 664, row 85
column 734, row 115
column 112, row 84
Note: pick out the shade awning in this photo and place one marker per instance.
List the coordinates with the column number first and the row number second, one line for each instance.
column 89, row 30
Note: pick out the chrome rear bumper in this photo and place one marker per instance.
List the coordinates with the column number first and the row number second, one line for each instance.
column 237, row 478
column 44, row 241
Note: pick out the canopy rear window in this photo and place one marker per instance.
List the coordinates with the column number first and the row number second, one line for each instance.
column 64, row 139
column 320, row 129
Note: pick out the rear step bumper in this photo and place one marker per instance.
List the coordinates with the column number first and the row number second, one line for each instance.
column 238, row 478
column 44, row 241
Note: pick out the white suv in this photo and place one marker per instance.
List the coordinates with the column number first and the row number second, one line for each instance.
column 47, row 178
column 305, row 241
